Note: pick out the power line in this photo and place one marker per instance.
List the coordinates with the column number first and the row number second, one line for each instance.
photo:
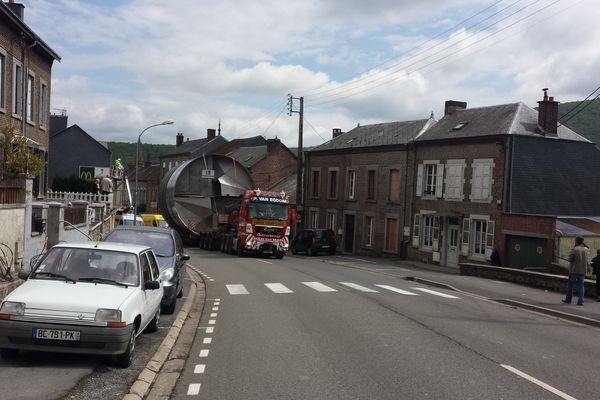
column 586, row 105
column 313, row 128
column 582, row 103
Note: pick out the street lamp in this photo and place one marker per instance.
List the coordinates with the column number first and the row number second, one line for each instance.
column 137, row 157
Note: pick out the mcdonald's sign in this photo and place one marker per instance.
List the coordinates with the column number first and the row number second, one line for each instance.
column 87, row 173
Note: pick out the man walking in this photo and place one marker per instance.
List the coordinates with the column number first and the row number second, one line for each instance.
column 578, row 267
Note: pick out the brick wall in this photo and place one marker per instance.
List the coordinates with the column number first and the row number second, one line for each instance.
column 278, row 164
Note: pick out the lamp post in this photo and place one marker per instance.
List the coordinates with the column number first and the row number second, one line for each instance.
column 137, row 158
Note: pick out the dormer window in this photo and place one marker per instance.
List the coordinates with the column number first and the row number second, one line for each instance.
column 460, row 125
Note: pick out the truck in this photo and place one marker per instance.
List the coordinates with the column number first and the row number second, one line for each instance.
column 212, row 201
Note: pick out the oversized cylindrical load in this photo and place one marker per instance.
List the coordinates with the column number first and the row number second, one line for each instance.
column 191, row 195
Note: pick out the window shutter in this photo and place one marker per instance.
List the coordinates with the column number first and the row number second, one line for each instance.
column 489, row 239
column 436, row 233
column 417, row 220
column 466, row 228
column 419, row 180
column 486, row 181
column 439, row 181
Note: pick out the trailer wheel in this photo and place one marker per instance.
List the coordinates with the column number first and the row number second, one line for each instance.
column 240, row 250
column 279, row 256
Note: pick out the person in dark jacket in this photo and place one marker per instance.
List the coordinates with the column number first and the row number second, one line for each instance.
column 596, row 269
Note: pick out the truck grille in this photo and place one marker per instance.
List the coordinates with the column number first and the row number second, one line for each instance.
column 269, row 230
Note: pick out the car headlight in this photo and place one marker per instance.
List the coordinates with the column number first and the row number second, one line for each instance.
column 287, row 231
column 10, row 308
column 110, row 316
column 167, row 274
column 248, row 228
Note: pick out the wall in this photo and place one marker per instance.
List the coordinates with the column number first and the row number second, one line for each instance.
column 276, row 166
column 12, row 220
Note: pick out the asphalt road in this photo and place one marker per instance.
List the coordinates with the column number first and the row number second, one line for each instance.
column 313, row 328
column 39, row 375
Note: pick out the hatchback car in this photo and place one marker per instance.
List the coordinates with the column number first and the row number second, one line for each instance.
column 91, row 298
column 313, row 241
column 168, row 248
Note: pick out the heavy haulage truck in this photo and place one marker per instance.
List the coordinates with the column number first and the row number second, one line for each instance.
column 212, row 201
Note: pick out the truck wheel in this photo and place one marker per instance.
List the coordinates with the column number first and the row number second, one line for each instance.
column 279, row 256
column 240, row 250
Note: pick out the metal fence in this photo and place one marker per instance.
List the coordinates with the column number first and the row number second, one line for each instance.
column 12, row 191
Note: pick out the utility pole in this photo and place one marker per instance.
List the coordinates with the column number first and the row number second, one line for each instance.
column 299, row 202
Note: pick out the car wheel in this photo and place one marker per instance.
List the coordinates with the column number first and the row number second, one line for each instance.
column 170, row 308
column 332, row 252
column 153, row 325
column 310, row 252
column 294, row 251
column 180, row 294
column 9, row 353
column 124, row 360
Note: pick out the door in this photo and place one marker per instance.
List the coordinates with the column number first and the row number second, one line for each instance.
column 527, row 252
column 452, row 246
column 349, row 233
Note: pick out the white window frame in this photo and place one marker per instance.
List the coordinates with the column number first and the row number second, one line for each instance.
column 17, row 89
column 436, row 182
column 427, row 228
column 332, row 220
column 482, row 180
column 3, row 58
column 369, row 226
column 485, row 237
column 29, row 104
column 314, row 217
column 454, row 180
column 43, row 104
column 351, row 184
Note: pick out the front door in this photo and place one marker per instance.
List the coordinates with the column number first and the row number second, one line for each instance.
column 452, row 246
column 349, row 234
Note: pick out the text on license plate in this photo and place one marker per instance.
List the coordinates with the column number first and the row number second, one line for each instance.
column 56, row 334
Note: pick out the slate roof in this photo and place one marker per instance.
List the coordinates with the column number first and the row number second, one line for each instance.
column 288, row 185
column 249, row 156
column 237, row 143
column 504, row 119
column 77, row 130
column 195, row 148
column 553, row 177
column 389, row 133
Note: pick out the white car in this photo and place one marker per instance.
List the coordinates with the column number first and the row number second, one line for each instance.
column 93, row 298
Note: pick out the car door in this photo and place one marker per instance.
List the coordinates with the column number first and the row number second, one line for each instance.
column 179, row 251
column 157, row 293
column 149, row 295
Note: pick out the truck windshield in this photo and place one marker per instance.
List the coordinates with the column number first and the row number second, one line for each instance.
column 269, row 211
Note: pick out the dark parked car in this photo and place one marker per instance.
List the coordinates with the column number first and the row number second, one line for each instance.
column 168, row 248
column 313, row 241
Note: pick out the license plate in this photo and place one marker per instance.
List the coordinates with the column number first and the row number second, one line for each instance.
column 56, row 334
column 325, row 247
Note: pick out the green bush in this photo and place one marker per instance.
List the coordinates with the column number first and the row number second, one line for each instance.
column 73, row 184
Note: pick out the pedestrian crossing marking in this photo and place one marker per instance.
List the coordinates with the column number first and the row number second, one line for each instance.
column 237, row 289
column 358, row 287
column 433, row 292
column 394, row 289
column 278, row 288
column 319, row 287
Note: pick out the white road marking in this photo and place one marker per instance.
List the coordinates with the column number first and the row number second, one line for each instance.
column 278, row 288
column 394, row 289
column 193, row 389
column 538, row 382
column 203, row 353
column 358, row 287
column 217, row 303
column 358, row 259
column 207, row 340
column 199, row 368
column 266, row 262
column 210, row 329
column 237, row 289
column 213, row 315
column 433, row 292
column 212, row 321
column 319, row 287
column 215, row 308
column 217, row 299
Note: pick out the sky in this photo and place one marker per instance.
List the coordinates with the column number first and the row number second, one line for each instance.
column 129, row 64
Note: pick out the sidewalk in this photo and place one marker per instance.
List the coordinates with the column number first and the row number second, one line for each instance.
column 531, row 298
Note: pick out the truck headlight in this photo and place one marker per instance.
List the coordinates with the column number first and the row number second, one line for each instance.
column 287, row 231
column 10, row 308
column 110, row 316
column 248, row 228
column 167, row 274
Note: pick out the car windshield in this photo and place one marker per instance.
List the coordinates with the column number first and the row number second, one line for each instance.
column 269, row 211
column 161, row 243
column 325, row 234
column 91, row 265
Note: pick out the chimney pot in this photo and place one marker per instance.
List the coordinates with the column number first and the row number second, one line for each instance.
column 452, row 105
column 272, row 145
column 336, row 132
column 179, row 140
column 16, row 8
column 548, row 114
column 210, row 134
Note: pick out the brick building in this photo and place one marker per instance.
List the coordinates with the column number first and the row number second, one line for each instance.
column 25, row 77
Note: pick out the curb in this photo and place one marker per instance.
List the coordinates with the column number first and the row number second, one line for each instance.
column 141, row 386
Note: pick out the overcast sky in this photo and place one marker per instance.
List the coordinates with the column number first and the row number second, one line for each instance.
column 127, row 64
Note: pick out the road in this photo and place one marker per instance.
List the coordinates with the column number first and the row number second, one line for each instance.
column 315, row 328
column 38, row 375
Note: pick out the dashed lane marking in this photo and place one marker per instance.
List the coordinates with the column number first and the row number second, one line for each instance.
column 237, row 289
column 358, row 287
column 433, row 292
column 396, row 290
column 278, row 288
column 319, row 287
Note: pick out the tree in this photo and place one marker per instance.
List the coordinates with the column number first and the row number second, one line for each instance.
column 17, row 158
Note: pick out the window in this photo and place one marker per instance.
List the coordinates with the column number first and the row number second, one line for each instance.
column 481, row 182
column 2, row 78
column 314, row 218
column 17, row 85
column 428, row 231
column 371, row 185
column 430, row 176
column 369, row 231
column 315, row 182
column 478, row 237
column 146, row 272
column 454, row 180
column 391, row 234
column 331, row 220
column 479, row 233
column 333, row 183
column 351, row 184
column 43, row 104
column 30, row 94
column 394, row 186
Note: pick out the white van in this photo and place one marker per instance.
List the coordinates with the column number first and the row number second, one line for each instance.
column 128, row 219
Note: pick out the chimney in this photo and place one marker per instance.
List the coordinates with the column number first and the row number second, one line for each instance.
column 210, row 134
column 16, row 8
column 548, row 114
column 452, row 105
column 336, row 132
column 179, row 140
column 57, row 123
column 273, row 145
